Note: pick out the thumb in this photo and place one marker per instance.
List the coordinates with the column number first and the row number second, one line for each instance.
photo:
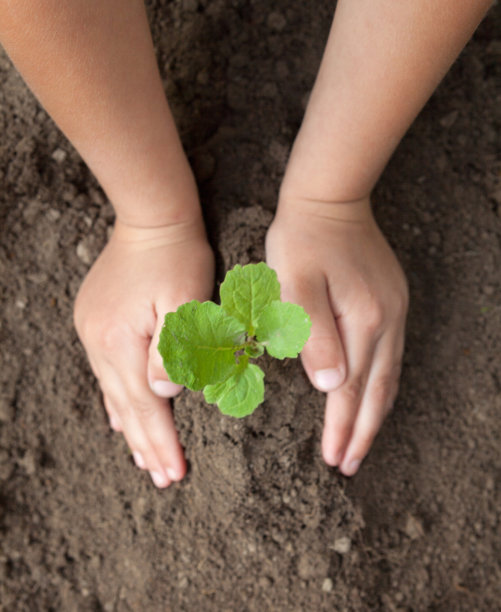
column 323, row 355
column 158, row 378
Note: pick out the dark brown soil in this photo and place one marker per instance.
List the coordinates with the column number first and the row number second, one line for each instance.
column 260, row 523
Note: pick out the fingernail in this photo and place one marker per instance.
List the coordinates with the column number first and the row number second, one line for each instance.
column 332, row 459
column 138, row 460
column 172, row 474
column 337, row 459
column 165, row 388
column 351, row 468
column 159, row 479
column 114, row 423
column 328, row 380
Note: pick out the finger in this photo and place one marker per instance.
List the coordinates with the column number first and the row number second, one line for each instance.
column 114, row 419
column 157, row 376
column 323, row 355
column 153, row 414
column 378, row 399
column 137, row 442
column 142, row 450
column 343, row 404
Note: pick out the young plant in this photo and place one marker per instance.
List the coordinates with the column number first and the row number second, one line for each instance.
column 209, row 347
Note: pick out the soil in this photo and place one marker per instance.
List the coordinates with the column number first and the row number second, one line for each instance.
column 260, row 522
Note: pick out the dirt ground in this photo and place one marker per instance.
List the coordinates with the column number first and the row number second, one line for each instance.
column 260, row 523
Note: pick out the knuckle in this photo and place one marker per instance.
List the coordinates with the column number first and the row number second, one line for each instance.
column 144, row 410
column 143, row 406
column 381, row 389
column 121, row 410
column 109, row 336
column 372, row 315
column 374, row 318
column 352, row 390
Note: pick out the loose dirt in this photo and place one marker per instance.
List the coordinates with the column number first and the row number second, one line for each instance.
column 260, row 523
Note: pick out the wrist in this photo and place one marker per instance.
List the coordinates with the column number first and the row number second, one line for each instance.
column 158, row 201
column 298, row 202
column 320, row 170
column 174, row 232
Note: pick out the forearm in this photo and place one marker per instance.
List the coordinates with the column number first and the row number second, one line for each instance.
column 92, row 66
column 382, row 61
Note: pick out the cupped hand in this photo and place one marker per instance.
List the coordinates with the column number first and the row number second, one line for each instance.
column 332, row 259
column 141, row 274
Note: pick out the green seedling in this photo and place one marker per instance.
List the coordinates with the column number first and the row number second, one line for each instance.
column 209, row 347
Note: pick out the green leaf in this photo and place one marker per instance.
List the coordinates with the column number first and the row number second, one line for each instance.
column 247, row 290
column 283, row 328
column 198, row 344
column 240, row 395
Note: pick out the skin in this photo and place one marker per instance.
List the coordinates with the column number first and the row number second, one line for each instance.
column 101, row 85
column 382, row 61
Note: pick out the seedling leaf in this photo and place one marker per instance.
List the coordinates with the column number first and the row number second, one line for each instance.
column 198, row 343
column 247, row 290
column 206, row 346
column 283, row 328
column 239, row 395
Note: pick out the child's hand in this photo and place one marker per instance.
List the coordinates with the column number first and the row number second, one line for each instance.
column 140, row 275
column 333, row 260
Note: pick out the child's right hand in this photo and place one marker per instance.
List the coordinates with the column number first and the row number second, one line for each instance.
column 332, row 259
column 141, row 274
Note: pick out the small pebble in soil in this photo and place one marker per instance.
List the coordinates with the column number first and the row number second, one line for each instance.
column 448, row 120
column 413, row 527
column 59, row 155
column 31, row 210
column 327, row 585
column 342, row 545
column 69, row 192
column 311, row 565
column 83, row 253
column 52, row 215
column 276, row 21
column 28, row 463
